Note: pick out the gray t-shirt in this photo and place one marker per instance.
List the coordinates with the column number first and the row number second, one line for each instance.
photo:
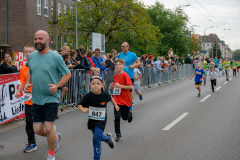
column 136, row 74
column 46, row 69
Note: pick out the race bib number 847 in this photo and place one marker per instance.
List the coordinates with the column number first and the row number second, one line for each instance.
column 97, row 113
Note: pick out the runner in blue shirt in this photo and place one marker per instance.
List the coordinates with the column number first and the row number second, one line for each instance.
column 129, row 58
column 216, row 62
column 199, row 72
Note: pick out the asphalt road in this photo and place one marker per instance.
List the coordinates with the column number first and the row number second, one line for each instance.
column 170, row 123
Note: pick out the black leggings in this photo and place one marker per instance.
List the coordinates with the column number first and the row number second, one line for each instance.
column 122, row 113
column 29, row 124
column 234, row 72
column 213, row 83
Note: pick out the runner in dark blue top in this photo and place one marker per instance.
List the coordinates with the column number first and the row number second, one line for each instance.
column 199, row 72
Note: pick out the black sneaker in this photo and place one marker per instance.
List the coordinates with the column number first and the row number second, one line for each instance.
column 130, row 117
column 118, row 138
column 199, row 95
column 111, row 142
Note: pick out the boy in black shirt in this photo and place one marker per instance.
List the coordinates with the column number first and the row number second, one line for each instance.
column 95, row 103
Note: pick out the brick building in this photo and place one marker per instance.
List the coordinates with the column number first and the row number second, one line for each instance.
column 24, row 18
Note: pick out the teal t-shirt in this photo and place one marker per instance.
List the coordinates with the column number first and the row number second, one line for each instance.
column 46, row 69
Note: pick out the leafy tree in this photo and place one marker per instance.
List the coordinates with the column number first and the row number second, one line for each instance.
column 173, row 26
column 120, row 21
column 237, row 54
column 213, row 50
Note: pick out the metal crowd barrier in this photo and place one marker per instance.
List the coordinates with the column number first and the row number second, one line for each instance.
column 79, row 84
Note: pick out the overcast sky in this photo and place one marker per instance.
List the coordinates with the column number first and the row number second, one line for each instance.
column 224, row 15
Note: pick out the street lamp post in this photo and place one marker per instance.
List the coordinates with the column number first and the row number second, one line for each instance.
column 205, row 36
column 176, row 14
column 76, row 1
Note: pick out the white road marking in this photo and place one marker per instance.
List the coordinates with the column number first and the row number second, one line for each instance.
column 204, row 99
column 225, row 83
column 175, row 122
column 230, row 79
column 218, row 88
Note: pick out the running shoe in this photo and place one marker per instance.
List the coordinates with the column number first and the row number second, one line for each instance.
column 140, row 97
column 30, row 147
column 118, row 138
column 50, row 157
column 111, row 142
column 130, row 117
column 199, row 95
column 57, row 142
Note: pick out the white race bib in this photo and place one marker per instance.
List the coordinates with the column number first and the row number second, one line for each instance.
column 26, row 97
column 97, row 113
column 116, row 91
column 227, row 64
column 213, row 73
column 234, row 66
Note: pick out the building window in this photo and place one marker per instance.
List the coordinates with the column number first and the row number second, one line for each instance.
column 59, row 8
column 65, row 40
column 38, row 7
column 65, row 8
column 71, row 9
column 207, row 44
column 46, row 8
column 52, row 7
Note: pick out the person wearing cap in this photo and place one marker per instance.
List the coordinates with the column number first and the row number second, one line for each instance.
column 95, row 103
column 150, row 60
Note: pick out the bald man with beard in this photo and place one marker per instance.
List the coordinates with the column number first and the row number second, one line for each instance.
column 47, row 73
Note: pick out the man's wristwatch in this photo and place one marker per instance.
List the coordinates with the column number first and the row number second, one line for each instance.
column 58, row 87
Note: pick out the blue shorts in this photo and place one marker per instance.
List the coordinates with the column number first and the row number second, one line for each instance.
column 45, row 113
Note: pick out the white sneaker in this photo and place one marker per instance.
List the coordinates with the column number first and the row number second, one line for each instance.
column 50, row 157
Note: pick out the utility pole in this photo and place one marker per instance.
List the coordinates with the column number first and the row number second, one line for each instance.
column 212, row 49
column 216, row 48
column 55, row 34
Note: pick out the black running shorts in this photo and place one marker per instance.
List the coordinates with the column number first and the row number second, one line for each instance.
column 45, row 113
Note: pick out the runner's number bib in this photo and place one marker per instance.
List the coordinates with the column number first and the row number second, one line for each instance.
column 116, row 91
column 213, row 73
column 26, row 97
column 97, row 113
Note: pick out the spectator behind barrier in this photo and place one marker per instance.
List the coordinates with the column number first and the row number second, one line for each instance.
column 115, row 54
column 109, row 61
column 7, row 66
column 150, row 62
column 65, row 49
column 90, row 61
column 188, row 60
column 73, row 56
column 97, row 59
column 70, row 65
column 83, row 60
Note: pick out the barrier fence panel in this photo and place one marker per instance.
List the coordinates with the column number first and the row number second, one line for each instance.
column 79, row 83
